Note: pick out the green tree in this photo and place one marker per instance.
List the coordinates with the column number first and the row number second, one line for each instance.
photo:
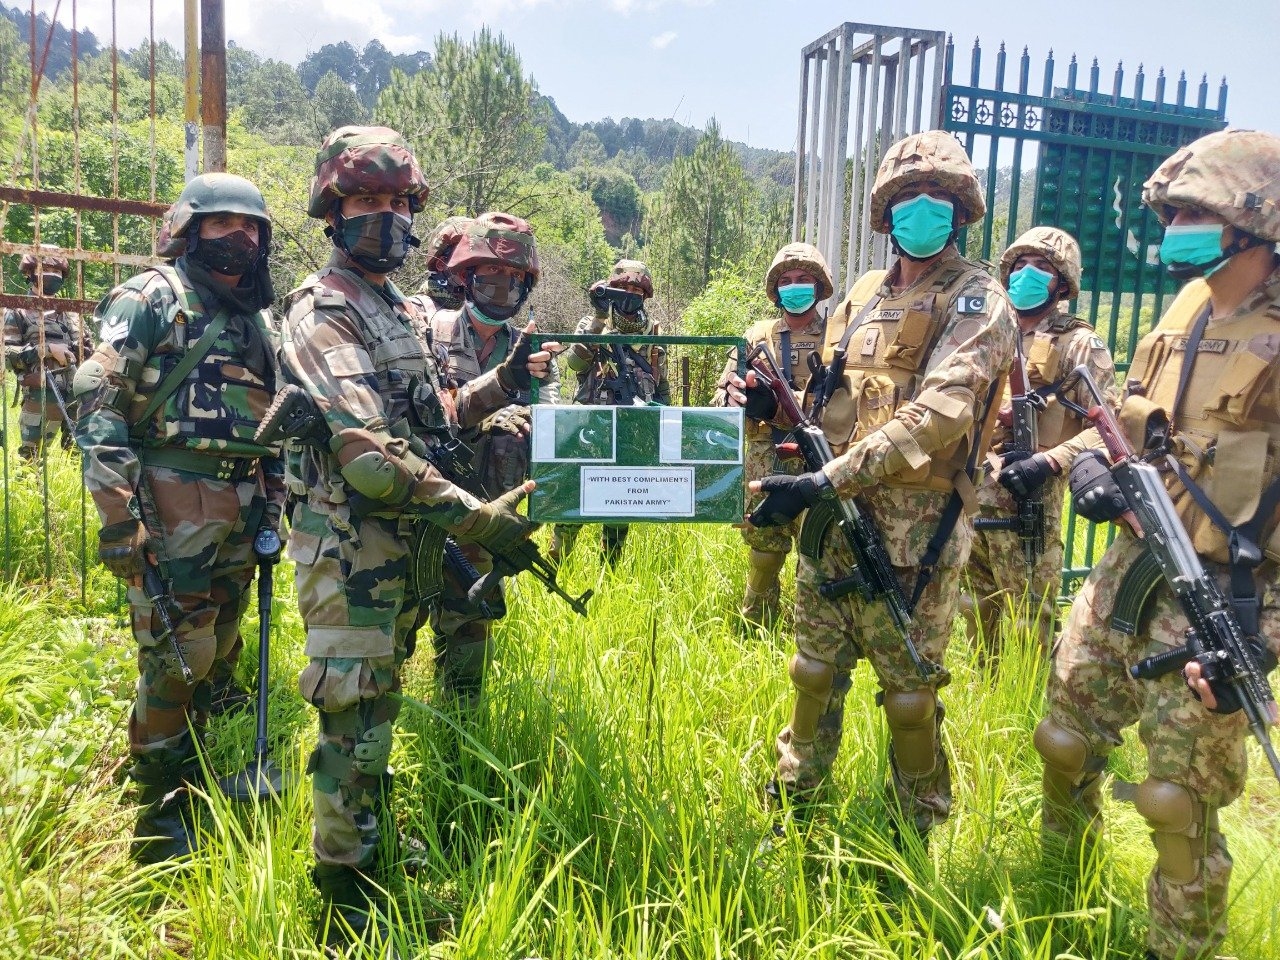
column 277, row 106
column 473, row 120
column 335, row 104
column 587, row 151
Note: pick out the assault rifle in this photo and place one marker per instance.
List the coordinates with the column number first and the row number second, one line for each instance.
column 1029, row 522
column 1216, row 639
column 294, row 414
column 872, row 576
column 51, row 384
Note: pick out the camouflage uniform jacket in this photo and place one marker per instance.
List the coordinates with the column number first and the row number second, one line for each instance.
column 598, row 377
column 1057, row 345
column 38, row 328
column 354, row 349
column 204, row 425
column 770, row 331
column 452, row 331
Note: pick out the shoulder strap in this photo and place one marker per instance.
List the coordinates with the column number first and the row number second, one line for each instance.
column 193, row 355
column 1189, row 358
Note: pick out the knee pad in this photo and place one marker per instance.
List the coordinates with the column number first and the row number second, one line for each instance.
column 813, row 678
column 1063, row 750
column 912, row 716
column 763, row 568
column 1178, row 823
column 373, row 750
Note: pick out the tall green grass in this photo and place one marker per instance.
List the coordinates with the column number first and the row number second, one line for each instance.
column 604, row 800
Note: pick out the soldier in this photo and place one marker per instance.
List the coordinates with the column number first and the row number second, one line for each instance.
column 1041, row 271
column 441, row 291
column 1209, row 369
column 169, row 404
column 37, row 342
column 494, row 262
column 797, row 281
column 623, row 374
column 924, row 347
column 369, row 492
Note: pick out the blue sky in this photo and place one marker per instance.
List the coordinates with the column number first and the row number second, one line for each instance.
column 738, row 60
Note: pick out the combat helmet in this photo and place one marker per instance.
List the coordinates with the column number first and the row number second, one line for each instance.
column 1056, row 246
column 499, row 239
column 633, row 272
column 443, row 290
column 218, row 193
column 1233, row 173
column 932, row 155
column 48, row 263
column 799, row 256
column 361, row 160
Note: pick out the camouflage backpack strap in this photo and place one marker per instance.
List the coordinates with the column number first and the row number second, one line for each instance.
column 193, row 355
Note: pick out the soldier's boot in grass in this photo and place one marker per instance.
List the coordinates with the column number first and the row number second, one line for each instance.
column 352, row 909
column 920, row 776
column 402, row 850
column 561, row 543
column 789, row 805
column 168, row 824
column 225, row 693
column 760, row 599
column 612, row 539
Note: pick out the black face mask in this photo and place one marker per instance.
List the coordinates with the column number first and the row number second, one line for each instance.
column 50, row 283
column 499, row 298
column 379, row 242
column 233, row 255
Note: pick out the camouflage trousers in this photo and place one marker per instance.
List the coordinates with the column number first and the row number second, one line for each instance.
column 841, row 632
column 361, row 620
column 761, row 461
column 999, row 586
column 613, row 536
column 1197, row 754
column 40, row 420
column 206, row 553
column 462, row 634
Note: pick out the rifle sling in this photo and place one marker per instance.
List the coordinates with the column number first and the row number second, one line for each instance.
column 836, row 373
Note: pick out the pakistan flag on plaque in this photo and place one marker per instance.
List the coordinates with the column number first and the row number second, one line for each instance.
column 663, row 464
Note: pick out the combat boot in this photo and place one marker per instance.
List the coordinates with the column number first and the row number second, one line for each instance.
column 352, row 910
column 227, row 695
column 409, row 853
column 167, row 827
column 760, row 599
column 612, row 540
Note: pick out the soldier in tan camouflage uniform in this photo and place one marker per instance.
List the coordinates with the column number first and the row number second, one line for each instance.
column 40, row 341
column 1042, row 272
column 926, row 344
column 1220, row 199
column 606, row 376
column 364, row 495
column 494, row 262
column 798, row 280
column 169, row 404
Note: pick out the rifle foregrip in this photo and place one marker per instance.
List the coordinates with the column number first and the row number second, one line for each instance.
column 854, row 583
column 1161, row 663
column 997, row 523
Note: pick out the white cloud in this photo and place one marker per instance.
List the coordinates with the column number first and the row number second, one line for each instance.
column 662, row 40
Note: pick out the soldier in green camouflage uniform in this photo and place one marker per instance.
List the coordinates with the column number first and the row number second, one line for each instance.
column 1220, row 198
column 797, row 282
column 640, row 378
column 349, row 340
column 40, row 341
column 441, row 291
column 169, row 404
column 1042, row 272
column 494, row 262
column 927, row 343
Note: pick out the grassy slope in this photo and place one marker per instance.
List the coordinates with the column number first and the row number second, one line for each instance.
column 604, row 803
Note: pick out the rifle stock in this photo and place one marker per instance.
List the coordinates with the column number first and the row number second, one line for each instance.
column 872, row 576
column 1216, row 639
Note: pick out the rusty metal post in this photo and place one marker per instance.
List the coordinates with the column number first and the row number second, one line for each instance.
column 213, row 84
column 191, row 87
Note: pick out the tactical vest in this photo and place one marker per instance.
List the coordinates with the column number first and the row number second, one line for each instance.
column 450, row 329
column 601, row 382
column 1226, row 430
column 58, row 327
column 406, row 376
column 1047, row 363
column 796, row 363
column 217, row 406
column 887, row 359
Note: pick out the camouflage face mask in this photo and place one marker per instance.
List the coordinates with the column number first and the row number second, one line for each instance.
column 379, row 242
column 498, row 297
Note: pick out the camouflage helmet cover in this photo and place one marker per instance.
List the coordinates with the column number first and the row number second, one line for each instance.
column 362, row 160
column 499, row 239
column 633, row 272
column 799, row 256
column 443, row 239
column 1056, row 246
column 1232, row 173
column 932, row 155
column 216, row 193
column 51, row 262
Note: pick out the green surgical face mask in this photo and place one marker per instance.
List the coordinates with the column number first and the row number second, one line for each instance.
column 1194, row 250
column 922, row 225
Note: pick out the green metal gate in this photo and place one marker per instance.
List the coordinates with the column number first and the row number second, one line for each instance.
column 1092, row 152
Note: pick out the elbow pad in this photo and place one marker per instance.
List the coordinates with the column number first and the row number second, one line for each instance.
column 385, row 473
column 88, row 378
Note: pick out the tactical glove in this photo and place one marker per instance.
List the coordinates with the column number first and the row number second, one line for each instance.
column 495, row 525
column 120, row 547
column 1023, row 475
column 599, row 302
column 513, row 372
column 1223, row 691
column 513, row 418
column 1094, row 491
column 789, row 496
column 760, row 403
